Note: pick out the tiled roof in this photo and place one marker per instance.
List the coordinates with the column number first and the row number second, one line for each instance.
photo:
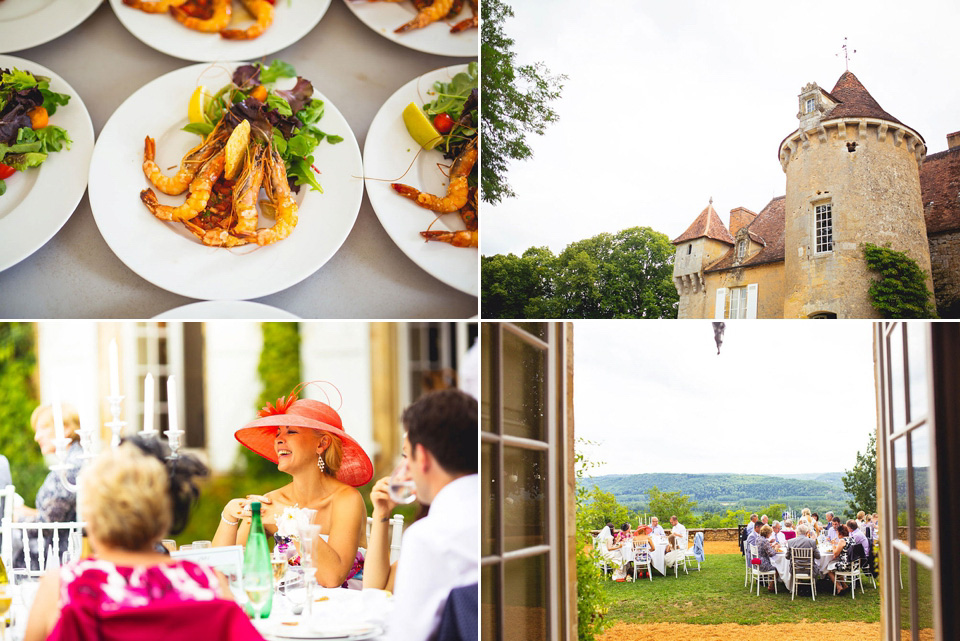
column 855, row 101
column 707, row 224
column 940, row 190
column 768, row 226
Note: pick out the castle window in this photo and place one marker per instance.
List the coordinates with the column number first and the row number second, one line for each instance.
column 741, row 248
column 689, row 249
column 824, row 228
column 738, row 302
column 811, row 105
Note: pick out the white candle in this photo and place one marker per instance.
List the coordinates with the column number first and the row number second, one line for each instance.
column 172, row 403
column 148, row 404
column 57, row 417
column 114, row 369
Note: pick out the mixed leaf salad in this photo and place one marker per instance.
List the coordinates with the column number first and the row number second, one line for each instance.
column 287, row 117
column 454, row 111
column 26, row 135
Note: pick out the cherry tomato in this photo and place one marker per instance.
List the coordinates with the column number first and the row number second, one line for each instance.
column 6, row 171
column 443, row 123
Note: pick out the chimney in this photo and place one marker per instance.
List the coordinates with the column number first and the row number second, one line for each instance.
column 741, row 217
column 953, row 140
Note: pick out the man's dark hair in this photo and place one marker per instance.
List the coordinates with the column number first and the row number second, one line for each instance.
column 852, row 525
column 445, row 423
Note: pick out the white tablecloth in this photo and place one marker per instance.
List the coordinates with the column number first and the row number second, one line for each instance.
column 824, row 564
column 338, row 605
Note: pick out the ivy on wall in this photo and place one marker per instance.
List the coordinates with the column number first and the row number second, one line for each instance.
column 18, row 398
column 901, row 291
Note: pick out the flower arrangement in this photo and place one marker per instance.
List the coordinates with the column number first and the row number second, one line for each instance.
column 288, row 528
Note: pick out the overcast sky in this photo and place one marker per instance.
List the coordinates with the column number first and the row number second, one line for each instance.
column 657, row 398
column 670, row 103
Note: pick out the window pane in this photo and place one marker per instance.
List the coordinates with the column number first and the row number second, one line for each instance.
column 537, row 329
column 920, row 451
column 488, row 506
column 523, row 388
column 925, row 601
column 488, row 602
column 900, row 479
column 486, row 377
column 917, row 361
column 895, row 350
column 525, row 599
column 525, row 496
column 904, row 604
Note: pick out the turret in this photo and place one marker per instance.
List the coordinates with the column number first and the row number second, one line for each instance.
column 704, row 242
column 852, row 178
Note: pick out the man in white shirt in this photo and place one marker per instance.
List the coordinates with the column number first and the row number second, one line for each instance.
column 679, row 531
column 657, row 528
column 440, row 551
column 831, row 528
column 777, row 536
column 752, row 524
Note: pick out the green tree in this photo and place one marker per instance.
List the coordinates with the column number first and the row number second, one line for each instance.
column 593, row 602
column 602, row 507
column 279, row 371
column 666, row 504
column 518, row 286
column 18, row 362
column 901, row 291
column 515, row 102
column 861, row 481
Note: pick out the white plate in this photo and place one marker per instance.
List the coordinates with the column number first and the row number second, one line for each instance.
column 303, row 631
column 384, row 17
column 28, row 23
column 226, row 309
column 292, row 20
column 166, row 254
column 388, row 152
column 40, row 200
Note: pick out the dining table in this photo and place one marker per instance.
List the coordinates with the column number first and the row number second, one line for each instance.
column 337, row 613
column 76, row 274
column 824, row 564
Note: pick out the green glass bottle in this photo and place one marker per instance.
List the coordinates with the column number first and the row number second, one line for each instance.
column 257, row 571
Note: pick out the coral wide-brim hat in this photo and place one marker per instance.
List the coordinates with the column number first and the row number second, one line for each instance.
column 258, row 435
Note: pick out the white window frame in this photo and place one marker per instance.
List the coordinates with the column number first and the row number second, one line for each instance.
column 823, row 211
column 738, row 303
column 809, row 105
column 741, row 248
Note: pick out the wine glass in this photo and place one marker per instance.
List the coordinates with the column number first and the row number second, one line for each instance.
column 258, row 586
column 402, row 489
column 309, row 532
column 278, row 560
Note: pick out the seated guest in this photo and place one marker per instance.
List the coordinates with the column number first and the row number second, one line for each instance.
column 643, row 539
column 860, row 519
column 307, row 440
column 623, row 533
column 752, row 523
column 868, row 527
column 608, row 547
column 131, row 499
column 817, row 526
column 753, row 537
column 831, row 528
column 788, row 525
column 858, row 537
column 777, row 537
column 835, row 524
column 764, row 519
column 440, row 552
column 805, row 516
column 679, row 530
column 765, row 552
column 802, row 540
column 841, row 552
column 675, row 550
column 657, row 528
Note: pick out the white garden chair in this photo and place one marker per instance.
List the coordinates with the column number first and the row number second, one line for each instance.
column 801, row 566
column 851, row 576
column 684, row 546
column 49, row 553
column 747, row 558
column 641, row 560
column 691, row 557
column 761, row 576
column 396, row 532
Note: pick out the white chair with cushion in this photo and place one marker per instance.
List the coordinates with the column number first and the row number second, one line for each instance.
column 684, row 546
column 641, row 561
column 801, row 567
column 691, row 557
column 852, row 576
column 761, row 576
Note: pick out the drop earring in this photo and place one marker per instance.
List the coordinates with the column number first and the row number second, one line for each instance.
column 320, row 463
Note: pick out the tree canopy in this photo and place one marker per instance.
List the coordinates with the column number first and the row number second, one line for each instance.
column 861, row 481
column 516, row 101
column 624, row 275
column 663, row 505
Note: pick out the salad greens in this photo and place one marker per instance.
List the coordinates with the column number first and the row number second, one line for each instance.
column 287, row 118
column 458, row 99
column 21, row 146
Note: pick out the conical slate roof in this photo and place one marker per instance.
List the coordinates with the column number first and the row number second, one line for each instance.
column 707, row 224
column 855, row 101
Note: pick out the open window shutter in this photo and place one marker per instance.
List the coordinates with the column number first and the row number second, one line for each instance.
column 721, row 299
column 752, row 300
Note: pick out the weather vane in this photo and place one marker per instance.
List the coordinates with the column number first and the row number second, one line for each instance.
column 846, row 52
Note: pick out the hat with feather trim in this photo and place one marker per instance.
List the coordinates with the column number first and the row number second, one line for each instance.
column 258, row 435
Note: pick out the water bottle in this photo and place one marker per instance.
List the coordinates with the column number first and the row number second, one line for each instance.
column 257, row 569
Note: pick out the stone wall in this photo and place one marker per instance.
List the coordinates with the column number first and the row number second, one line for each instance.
column 770, row 290
column 945, row 264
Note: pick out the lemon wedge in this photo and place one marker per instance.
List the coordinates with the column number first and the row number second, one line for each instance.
column 236, row 149
column 197, row 104
column 420, row 127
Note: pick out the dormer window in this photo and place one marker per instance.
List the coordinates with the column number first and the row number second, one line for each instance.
column 810, row 105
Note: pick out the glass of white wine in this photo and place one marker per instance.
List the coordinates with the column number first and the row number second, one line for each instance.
column 258, row 587
column 402, row 489
column 279, row 562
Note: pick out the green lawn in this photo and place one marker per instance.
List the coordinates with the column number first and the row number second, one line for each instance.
column 716, row 595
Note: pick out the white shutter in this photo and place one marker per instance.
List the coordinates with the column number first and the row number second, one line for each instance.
column 721, row 299
column 752, row 300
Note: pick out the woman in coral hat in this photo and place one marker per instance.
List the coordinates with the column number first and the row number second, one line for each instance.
column 306, row 439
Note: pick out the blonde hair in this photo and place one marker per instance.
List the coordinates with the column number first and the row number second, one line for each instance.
column 71, row 419
column 125, row 498
column 332, row 455
column 860, row 515
column 805, row 511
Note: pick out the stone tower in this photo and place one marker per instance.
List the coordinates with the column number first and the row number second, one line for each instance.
column 852, row 178
column 704, row 242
